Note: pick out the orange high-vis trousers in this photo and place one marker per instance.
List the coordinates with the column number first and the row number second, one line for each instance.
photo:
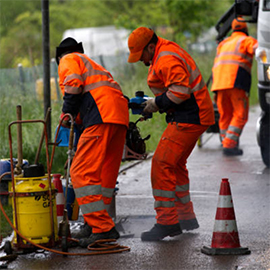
column 94, row 172
column 233, row 107
column 169, row 175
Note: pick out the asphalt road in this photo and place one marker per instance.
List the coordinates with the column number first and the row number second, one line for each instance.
column 250, row 186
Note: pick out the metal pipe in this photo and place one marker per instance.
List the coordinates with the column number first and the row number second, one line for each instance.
column 18, row 168
column 46, row 61
column 42, row 136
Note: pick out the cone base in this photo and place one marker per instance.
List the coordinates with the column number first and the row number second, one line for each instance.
column 225, row 251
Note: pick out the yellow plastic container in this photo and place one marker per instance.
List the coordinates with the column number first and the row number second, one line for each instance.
column 39, row 90
column 33, row 209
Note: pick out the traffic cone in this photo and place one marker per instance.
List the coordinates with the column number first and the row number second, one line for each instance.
column 60, row 198
column 225, row 240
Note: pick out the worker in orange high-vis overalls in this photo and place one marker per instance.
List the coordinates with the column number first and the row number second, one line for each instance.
column 181, row 93
column 231, row 75
column 91, row 94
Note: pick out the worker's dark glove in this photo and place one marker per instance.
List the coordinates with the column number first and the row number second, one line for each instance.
column 66, row 121
column 150, row 106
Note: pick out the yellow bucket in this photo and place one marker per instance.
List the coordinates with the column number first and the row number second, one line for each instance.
column 33, row 209
column 39, row 90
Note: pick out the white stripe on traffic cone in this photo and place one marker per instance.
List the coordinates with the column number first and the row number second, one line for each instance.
column 60, row 198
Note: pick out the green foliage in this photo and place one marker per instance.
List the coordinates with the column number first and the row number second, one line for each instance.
column 5, row 228
column 193, row 16
column 132, row 14
column 9, row 10
column 31, row 132
column 21, row 22
column 23, row 39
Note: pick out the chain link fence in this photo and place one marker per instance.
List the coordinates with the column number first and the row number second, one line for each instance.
column 29, row 80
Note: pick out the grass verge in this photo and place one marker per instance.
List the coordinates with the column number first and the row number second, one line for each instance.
column 6, row 229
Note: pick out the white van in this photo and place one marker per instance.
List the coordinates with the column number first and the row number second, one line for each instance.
column 263, row 64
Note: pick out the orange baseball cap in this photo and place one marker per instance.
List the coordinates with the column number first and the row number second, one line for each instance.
column 137, row 40
column 238, row 24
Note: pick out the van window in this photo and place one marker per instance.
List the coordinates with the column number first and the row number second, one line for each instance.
column 266, row 5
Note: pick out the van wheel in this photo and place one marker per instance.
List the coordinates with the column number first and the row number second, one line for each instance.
column 263, row 136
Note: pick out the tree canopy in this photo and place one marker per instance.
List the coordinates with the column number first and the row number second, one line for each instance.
column 21, row 22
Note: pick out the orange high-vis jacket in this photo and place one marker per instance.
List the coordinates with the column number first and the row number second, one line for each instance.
column 190, row 101
column 233, row 62
column 89, row 89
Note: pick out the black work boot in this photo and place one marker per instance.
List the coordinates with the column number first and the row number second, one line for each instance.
column 232, row 151
column 158, row 232
column 189, row 224
column 84, row 232
column 112, row 234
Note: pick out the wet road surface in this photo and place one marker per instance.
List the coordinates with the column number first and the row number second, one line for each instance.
column 250, row 186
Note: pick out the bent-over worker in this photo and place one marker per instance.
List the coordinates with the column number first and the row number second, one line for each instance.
column 181, row 93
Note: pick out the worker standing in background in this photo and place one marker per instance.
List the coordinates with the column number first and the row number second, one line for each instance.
column 181, row 93
column 231, row 84
column 91, row 94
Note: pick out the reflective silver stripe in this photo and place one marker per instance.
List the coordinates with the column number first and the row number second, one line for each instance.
column 85, row 61
column 73, row 76
column 88, row 190
column 92, row 207
column 107, row 192
column 236, row 52
column 163, row 204
column 235, row 129
column 182, row 188
column 232, row 137
column 244, row 56
column 193, row 73
column 91, row 71
column 235, row 62
column 157, row 91
column 184, row 199
column 169, row 53
column 164, row 193
column 153, row 81
column 173, row 98
column 72, row 90
column 222, row 131
column 239, row 43
column 198, row 86
column 95, row 85
column 94, row 72
column 179, row 89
